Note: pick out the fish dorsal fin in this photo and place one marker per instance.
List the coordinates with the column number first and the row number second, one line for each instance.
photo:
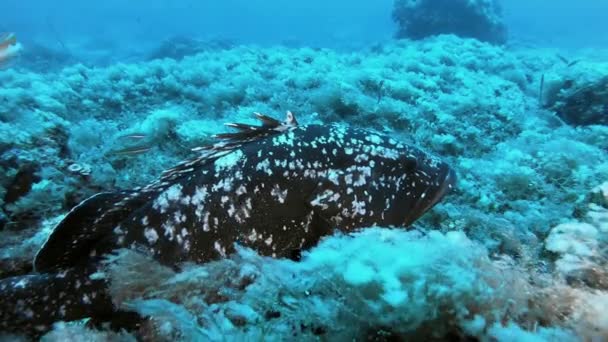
column 248, row 133
column 228, row 143
column 231, row 141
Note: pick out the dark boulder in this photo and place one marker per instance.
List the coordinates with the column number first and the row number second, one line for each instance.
column 480, row 19
column 582, row 104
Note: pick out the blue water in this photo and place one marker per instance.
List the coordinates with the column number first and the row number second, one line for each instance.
column 126, row 28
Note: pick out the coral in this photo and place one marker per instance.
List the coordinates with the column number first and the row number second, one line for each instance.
column 481, row 19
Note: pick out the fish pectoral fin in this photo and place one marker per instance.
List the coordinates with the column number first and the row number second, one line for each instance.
column 318, row 227
column 315, row 229
column 324, row 212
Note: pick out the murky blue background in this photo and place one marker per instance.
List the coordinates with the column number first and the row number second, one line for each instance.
column 337, row 23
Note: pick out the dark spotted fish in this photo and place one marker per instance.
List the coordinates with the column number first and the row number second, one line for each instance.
column 277, row 188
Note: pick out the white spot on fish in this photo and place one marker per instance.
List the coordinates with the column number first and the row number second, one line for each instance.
column 224, row 184
column 283, row 139
column 228, row 161
column 268, row 241
column 279, row 194
column 173, row 193
column 241, row 190
column 151, row 235
column 200, row 194
column 264, row 166
column 252, row 236
column 218, row 247
column 22, row 283
column 333, row 176
column 206, row 227
column 374, row 139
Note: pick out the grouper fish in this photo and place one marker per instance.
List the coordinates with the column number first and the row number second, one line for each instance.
column 277, row 188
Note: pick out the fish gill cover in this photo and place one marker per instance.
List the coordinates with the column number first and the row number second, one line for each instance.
column 516, row 252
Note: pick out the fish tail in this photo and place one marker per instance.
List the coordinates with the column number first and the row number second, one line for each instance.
column 32, row 303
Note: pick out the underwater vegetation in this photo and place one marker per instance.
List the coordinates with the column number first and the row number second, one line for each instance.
column 516, row 252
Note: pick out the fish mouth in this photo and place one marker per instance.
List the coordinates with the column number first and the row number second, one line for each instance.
column 425, row 203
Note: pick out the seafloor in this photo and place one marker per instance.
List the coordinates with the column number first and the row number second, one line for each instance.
column 517, row 253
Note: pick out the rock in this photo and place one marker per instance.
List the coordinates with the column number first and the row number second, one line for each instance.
column 22, row 183
column 480, row 19
column 583, row 104
column 580, row 247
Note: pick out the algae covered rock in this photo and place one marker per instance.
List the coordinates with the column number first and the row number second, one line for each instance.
column 481, row 19
column 583, row 104
column 580, row 246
